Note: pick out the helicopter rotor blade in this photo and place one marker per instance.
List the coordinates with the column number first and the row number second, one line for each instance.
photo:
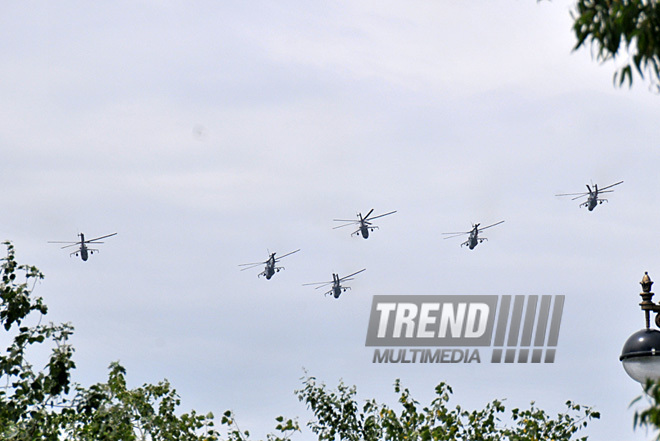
column 72, row 245
column 365, row 217
column 578, row 197
column 381, row 215
column 250, row 267
column 102, row 237
column 253, row 264
column 609, row 186
column 351, row 275
column 321, row 284
column 455, row 234
column 572, row 194
column 288, row 254
column 497, row 223
column 345, row 225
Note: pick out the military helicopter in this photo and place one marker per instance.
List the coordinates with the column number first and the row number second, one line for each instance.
column 83, row 251
column 336, row 282
column 592, row 199
column 474, row 238
column 363, row 222
column 270, row 269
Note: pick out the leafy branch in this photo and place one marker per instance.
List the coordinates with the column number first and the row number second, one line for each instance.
column 614, row 26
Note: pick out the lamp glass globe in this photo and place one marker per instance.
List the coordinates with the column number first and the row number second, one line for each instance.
column 642, row 369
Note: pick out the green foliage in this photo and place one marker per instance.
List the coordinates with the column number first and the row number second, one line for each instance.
column 285, row 429
column 110, row 411
column 28, row 396
column 649, row 417
column 46, row 405
column 338, row 416
column 615, row 25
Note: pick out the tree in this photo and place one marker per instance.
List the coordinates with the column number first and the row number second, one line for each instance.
column 45, row 405
column 615, row 26
column 28, row 396
column 109, row 411
column 339, row 416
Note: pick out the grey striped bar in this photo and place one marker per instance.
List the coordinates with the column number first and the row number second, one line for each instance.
column 516, row 316
column 542, row 324
column 530, row 315
column 502, row 321
column 553, row 335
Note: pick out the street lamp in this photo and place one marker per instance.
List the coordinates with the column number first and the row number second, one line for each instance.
column 641, row 352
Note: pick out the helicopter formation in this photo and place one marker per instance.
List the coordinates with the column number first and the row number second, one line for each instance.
column 365, row 226
column 337, row 287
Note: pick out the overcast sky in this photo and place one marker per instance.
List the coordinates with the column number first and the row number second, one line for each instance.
column 207, row 134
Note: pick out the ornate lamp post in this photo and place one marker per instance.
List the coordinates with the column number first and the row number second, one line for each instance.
column 641, row 352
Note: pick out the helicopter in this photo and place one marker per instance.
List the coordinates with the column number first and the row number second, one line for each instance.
column 592, row 199
column 336, row 282
column 83, row 251
column 270, row 269
column 363, row 222
column 474, row 238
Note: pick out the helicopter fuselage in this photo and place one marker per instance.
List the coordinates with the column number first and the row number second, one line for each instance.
column 268, row 272
column 592, row 202
column 336, row 285
column 270, row 267
column 83, row 248
column 592, row 199
column 473, row 240
column 364, row 230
